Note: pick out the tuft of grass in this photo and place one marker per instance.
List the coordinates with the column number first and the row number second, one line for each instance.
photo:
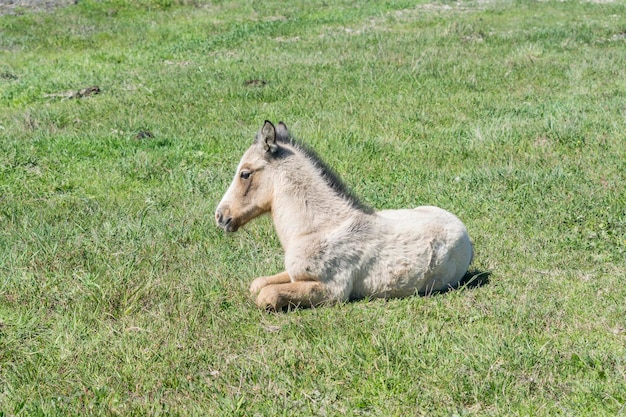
column 119, row 296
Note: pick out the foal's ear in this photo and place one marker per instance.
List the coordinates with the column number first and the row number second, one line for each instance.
column 268, row 137
column 282, row 131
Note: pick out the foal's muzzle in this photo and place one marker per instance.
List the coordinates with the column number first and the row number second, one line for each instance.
column 224, row 220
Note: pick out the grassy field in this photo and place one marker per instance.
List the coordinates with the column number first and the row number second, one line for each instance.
column 119, row 296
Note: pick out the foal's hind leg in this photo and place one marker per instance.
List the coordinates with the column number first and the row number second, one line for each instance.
column 260, row 282
column 299, row 293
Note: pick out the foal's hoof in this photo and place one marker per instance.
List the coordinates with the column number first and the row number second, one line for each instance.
column 257, row 285
column 268, row 299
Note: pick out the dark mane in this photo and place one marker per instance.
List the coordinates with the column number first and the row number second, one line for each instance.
column 328, row 174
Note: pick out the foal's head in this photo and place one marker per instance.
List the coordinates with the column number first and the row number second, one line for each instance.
column 251, row 192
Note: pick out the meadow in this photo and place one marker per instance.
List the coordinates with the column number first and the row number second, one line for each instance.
column 120, row 296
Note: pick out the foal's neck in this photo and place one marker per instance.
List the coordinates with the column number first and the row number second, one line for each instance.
column 305, row 204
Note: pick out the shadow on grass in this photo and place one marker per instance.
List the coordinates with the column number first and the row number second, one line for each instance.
column 473, row 278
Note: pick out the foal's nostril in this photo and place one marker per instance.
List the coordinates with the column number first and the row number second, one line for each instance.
column 219, row 217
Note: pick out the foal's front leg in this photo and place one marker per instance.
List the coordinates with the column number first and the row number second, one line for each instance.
column 257, row 285
column 298, row 293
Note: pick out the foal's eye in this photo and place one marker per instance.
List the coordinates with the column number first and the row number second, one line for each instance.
column 245, row 175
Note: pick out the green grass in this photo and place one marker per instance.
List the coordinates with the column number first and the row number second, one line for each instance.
column 119, row 296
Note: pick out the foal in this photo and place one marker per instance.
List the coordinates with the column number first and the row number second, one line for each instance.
column 336, row 248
